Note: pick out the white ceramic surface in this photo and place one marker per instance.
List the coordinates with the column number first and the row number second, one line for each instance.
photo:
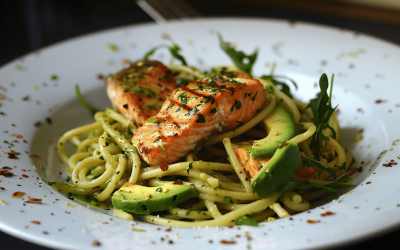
column 38, row 104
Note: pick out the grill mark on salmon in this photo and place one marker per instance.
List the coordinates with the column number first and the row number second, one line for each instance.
column 195, row 111
column 139, row 91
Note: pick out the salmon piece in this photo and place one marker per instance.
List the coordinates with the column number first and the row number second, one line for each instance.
column 251, row 165
column 139, row 91
column 195, row 111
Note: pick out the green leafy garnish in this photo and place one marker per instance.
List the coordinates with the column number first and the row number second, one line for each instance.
column 329, row 187
column 182, row 97
column 189, row 167
column 322, row 111
column 201, row 119
column 174, row 50
column 83, row 102
column 282, row 86
column 246, row 220
column 228, row 199
column 242, row 61
column 318, row 166
column 86, row 198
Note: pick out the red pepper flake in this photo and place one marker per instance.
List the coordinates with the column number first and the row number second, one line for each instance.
column 368, row 182
column 168, row 230
column 228, row 242
column 34, row 200
column 100, row 76
column 12, row 155
column 328, row 213
column 283, row 145
column 178, row 183
column 313, row 221
column 25, row 176
column 231, row 226
column 390, row 164
column 6, row 173
column 379, row 101
column 164, row 167
column 18, row 194
column 34, row 156
column 36, row 222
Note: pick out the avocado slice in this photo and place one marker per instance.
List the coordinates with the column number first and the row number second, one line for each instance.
column 280, row 127
column 277, row 171
column 137, row 199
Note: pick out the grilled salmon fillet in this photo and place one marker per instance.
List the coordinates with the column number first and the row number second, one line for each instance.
column 139, row 91
column 195, row 111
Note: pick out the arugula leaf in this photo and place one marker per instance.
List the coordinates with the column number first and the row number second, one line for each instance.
column 174, row 50
column 238, row 57
column 246, row 220
column 291, row 185
column 329, row 187
column 322, row 111
column 283, row 86
column 83, row 102
column 318, row 166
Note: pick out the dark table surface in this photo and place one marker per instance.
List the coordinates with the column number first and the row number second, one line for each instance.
column 28, row 25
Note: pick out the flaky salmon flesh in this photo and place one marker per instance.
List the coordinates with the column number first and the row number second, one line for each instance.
column 250, row 165
column 139, row 91
column 193, row 112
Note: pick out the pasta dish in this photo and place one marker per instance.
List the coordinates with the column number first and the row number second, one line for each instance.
column 182, row 147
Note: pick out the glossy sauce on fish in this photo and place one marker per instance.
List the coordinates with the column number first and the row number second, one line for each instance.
column 139, row 91
column 195, row 111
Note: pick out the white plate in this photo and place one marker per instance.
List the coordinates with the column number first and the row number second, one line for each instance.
column 365, row 86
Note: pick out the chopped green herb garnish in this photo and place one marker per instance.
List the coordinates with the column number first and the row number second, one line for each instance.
column 246, row 220
column 170, row 106
column 182, row 97
column 201, row 119
column 189, row 167
column 228, row 199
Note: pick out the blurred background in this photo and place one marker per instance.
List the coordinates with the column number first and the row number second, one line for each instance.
column 28, row 25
